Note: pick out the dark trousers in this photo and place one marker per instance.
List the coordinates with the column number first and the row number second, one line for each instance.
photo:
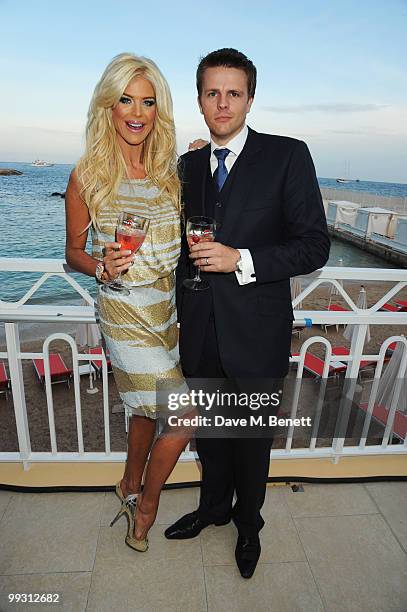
column 230, row 464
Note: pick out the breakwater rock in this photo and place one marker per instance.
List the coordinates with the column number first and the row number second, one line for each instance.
column 57, row 194
column 9, row 172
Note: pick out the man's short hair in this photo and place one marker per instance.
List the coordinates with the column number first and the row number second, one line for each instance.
column 228, row 58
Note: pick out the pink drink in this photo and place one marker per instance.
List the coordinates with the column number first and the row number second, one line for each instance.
column 200, row 236
column 131, row 242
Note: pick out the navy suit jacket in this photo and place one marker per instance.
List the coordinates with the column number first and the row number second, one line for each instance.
column 275, row 210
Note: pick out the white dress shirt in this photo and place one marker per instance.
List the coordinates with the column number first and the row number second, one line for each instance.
column 235, row 147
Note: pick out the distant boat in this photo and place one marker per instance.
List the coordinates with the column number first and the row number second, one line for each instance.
column 346, row 174
column 341, row 180
column 40, row 163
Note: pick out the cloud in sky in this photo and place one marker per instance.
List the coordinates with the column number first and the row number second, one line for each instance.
column 365, row 132
column 28, row 142
column 347, row 107
column 46, row 130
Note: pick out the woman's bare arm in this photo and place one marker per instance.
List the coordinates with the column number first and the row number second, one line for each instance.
column 77, row 219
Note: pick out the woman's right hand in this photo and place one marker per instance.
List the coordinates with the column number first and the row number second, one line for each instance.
column 116, row 260
column 198, row 143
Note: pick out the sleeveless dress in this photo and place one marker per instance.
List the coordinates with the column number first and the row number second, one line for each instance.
column 140, row 329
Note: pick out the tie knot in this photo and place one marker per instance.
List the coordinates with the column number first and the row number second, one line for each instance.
column 221, row 154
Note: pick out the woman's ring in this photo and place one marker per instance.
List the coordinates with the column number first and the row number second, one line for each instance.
column 207, row 262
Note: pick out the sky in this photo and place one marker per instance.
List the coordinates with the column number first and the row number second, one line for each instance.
column 332, row 73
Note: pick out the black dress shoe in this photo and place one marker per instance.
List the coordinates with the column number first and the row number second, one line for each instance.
column 247, row 554
column 188, row 526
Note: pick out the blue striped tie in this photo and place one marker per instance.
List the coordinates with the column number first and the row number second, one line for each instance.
column 221, row 173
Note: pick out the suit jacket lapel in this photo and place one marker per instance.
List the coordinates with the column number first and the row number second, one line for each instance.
column 242, row 183
column 198, row 182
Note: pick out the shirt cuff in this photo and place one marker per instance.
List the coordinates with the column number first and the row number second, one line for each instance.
column 248, row 274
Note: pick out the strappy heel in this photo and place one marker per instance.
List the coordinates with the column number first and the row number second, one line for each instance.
column 128, row 508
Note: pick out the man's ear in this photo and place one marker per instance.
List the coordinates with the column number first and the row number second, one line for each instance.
column 199, row 104
column 249, row 104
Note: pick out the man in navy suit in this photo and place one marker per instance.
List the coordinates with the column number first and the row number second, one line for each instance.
column 263, row 192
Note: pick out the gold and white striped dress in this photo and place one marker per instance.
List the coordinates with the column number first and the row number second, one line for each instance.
column 140, row 329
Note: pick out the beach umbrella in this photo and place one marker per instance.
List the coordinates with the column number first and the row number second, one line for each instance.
column 361, row 303
column 88, row 336
column 296, row 289
column 387, row 386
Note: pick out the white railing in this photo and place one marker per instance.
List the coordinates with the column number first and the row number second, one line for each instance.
column 12, row 314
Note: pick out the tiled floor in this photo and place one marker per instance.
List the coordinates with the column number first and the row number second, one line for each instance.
column 331, row 547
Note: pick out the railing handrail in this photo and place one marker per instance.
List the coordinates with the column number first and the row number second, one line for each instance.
column 87, row 314
column 333, row 275
column 59, row 266
column 40, row 264
column 48, row 314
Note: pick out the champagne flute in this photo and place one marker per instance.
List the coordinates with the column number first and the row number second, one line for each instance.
column 131, row 231
column 199, row 229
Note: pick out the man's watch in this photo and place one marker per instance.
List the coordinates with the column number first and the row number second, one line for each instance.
column 239, row 265
column 100, row 268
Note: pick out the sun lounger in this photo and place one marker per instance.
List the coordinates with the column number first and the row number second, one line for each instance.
column 380, row 414
column 97, row 363
column 315, row 366
column 364, row 364
column 297, row 330
column 4, row 380
column 340, row 351
column 387, row 307
column 390, row 349
column 334, row 308
column 59, row 371
column 85, row 369
column 337, row 308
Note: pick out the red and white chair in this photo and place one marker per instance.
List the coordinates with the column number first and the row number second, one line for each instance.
column 315, row 366
column 381, row 414
column 4, row 380
column 58, row 368
column 97, row 363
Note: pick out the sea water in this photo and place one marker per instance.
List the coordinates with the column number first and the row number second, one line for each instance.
column 33, row 226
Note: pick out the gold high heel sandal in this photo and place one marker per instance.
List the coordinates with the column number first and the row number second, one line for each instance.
column 128, row 507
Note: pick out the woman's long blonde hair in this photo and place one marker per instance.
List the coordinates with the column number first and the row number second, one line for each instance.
column 102, row 168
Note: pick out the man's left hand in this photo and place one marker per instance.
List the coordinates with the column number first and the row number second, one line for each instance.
column 214, row 257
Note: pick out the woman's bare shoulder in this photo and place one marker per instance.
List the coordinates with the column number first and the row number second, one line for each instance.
column 73, row 196
column 74, row 180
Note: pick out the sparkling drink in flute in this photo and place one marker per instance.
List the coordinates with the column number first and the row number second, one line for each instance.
column 131, row 231
column 199, row 229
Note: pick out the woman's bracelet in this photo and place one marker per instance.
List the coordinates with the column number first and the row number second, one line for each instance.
column 100, row 269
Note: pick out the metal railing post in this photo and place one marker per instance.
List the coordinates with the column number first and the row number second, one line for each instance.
column 17, row 387
column 348, row 392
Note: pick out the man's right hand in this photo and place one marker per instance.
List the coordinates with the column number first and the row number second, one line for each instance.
column 116, row 260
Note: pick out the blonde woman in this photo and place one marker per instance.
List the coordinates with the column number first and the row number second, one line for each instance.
column 130, row 164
